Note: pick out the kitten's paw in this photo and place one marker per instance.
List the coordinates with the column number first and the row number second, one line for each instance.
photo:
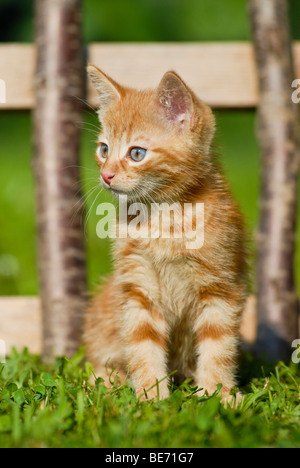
column 232, row 400
column 153, row 394
column 226, row 397
column 111, row 378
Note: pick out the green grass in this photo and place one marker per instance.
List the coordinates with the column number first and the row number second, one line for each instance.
column 44, row 405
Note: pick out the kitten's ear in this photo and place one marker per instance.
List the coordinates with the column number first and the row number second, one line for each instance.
column 107, row 89
column 175, row 99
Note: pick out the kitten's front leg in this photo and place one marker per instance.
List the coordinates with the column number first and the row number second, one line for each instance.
column 145, row 334
column 217, row 337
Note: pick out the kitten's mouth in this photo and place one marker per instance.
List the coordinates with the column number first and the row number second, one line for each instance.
column 117, row 192
column 114, row 191
column 131, row 194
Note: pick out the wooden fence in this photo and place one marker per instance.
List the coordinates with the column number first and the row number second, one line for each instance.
column 223, row 74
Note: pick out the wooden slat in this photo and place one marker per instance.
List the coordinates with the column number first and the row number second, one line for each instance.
column 222, row 74
column 21, row 322
column 17, row 66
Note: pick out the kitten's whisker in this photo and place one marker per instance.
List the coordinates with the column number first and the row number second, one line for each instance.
column 84, row 122
column 86, row 103
column 84, row 211
column 89, row 213
column 82, row 201
column 92, row 131
column 84, row 198
column 84, row 183
column 80, row 167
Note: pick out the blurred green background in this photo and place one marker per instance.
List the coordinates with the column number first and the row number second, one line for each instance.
column 118, row 20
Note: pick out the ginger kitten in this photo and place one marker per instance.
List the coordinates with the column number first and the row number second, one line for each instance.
column 167, row 307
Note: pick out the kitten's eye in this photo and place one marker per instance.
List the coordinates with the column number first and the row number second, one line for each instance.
column 103, row 150
column 137, row 154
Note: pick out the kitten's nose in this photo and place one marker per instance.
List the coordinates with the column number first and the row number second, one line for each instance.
column 107, row 177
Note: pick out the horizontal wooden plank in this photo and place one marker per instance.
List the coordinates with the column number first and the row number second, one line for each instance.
column 222, row 74
column 21, row 323
column 17, row 67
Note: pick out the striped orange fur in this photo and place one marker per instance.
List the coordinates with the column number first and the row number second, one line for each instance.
column 168, row 307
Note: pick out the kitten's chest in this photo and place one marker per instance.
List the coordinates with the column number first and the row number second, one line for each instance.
column 169, row 277
column 178, row 288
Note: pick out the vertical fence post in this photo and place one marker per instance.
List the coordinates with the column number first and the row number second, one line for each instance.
column 278, row 139
column 59, row 90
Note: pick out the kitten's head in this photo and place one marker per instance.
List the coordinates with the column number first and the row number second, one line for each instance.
column 154, row 145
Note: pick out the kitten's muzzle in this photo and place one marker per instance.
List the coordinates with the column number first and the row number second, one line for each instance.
column 107, row 177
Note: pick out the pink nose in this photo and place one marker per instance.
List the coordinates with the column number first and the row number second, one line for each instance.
column 107, row 177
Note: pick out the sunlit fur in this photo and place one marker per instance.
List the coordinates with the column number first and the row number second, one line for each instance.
column 167, row 308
